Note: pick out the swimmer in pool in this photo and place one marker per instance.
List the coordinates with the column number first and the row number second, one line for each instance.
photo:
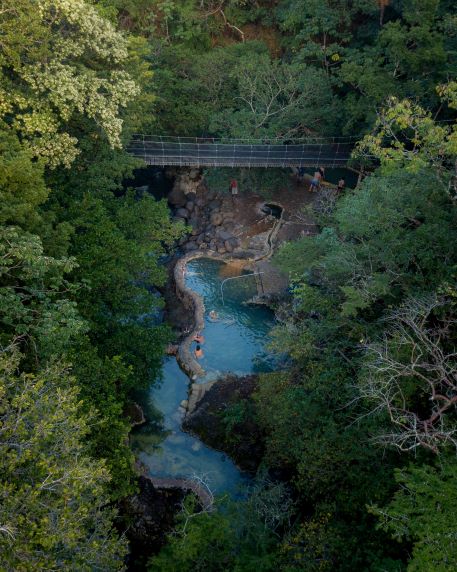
column 198, row 352
column 213, row 316
column 199, row 338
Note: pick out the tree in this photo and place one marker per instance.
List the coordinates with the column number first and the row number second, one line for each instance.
column 275, row 99
column 423, row 511
column 53, row 511
column 33, row 306
column 60, row 61
column 411, row 376
column 234, row 536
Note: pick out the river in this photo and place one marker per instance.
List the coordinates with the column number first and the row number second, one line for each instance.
column 236, row 342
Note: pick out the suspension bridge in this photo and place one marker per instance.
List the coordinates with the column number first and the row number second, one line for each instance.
column 211, row 152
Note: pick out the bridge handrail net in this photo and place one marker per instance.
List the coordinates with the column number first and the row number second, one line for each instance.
column 246, row 140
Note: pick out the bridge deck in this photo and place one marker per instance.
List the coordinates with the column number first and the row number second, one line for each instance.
column 205, row 153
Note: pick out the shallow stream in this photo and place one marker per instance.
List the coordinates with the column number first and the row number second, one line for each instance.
column 235, row 342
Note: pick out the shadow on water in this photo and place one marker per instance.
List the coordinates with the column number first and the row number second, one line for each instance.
column 234, row 343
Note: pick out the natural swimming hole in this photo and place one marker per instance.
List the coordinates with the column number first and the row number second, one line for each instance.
column 237, row 343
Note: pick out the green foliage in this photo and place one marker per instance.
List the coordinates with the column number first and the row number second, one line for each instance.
column 236, row 536
column 32, row 306
column 261, row 181
column 275, row 99
column 81, row 264
column 22, row 186
column 423, row 511
column 59, row 62
column 52, row 508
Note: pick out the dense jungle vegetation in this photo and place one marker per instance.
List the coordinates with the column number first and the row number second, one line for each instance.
column 361, row 429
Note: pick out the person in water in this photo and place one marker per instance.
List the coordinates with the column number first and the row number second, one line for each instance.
column 199, row 338
column 198, row 352
column 213, row 316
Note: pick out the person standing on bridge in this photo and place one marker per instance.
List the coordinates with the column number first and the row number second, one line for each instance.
column 233, row 188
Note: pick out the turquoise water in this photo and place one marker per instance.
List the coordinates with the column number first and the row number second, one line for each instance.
column 235, row 343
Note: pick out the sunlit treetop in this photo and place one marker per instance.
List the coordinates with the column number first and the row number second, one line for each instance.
column 59, row 61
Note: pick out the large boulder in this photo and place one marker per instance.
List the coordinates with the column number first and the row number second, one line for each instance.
column 195, row 226
column 215, row 204
column 182, row 212
column 223, row 234
column 190, row 246
column 216, row 219
column 147, row 517
column 177, row 197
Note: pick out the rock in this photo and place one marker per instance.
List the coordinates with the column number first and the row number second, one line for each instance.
column 215, row 204
column 221, row 249
column 182, row 213
column 189, row 247
column 141, row 190
column 216, row 219
column 206, row 421
column 200, row 238
column 171, row 350
column 228, row 246
column 190, row 206
column 178, row 219
column 147, row 517
column 223, row 234
column 135, row 413
column 177, row 197
column 184, row 403
column 212, row 244
column 199, row 202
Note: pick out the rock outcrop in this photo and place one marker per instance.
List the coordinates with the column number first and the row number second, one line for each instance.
column 212, row 420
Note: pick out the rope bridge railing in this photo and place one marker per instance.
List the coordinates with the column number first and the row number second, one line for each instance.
column 207, row 151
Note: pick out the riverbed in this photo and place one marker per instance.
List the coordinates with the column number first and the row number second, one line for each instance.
column 236, row 341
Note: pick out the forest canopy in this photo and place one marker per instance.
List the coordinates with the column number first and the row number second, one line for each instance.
column 360, row 429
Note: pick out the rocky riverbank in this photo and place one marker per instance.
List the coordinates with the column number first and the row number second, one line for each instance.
column 210, row 219
column 148, row 516
column 224, row 418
